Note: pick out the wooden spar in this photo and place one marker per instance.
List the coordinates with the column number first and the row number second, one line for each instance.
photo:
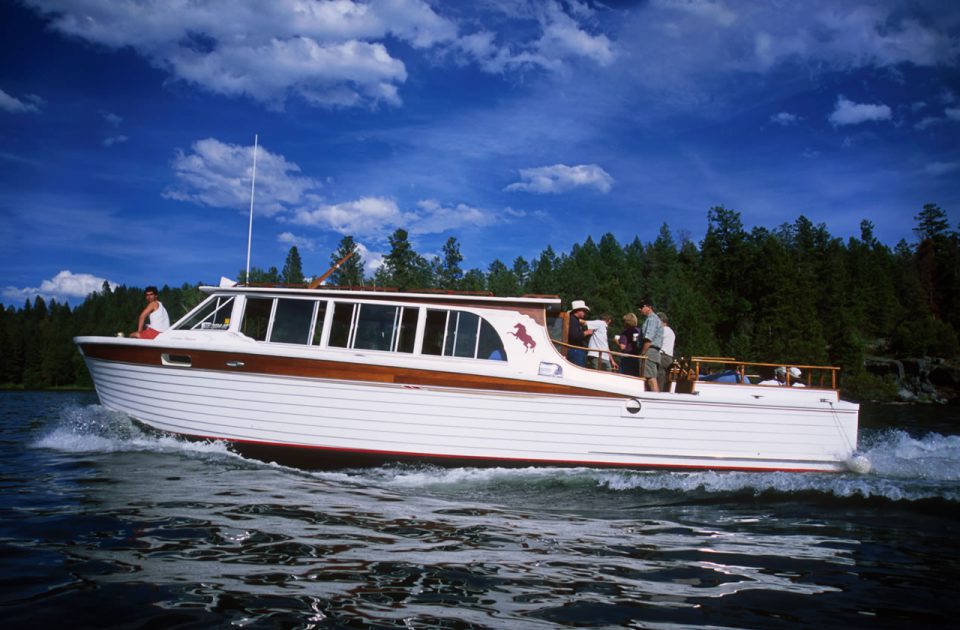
column 317, row 282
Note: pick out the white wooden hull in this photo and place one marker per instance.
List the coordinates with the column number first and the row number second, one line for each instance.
column 722, row 427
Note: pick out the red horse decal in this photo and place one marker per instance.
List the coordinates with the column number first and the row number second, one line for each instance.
column 524, row 337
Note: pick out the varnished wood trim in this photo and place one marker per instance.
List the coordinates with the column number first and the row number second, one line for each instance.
column 326, row 369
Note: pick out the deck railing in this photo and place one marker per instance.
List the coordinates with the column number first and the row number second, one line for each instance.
column 686, row 372
column 820, row 376
column 601, row 353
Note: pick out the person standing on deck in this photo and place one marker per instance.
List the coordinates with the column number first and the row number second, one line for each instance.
column 599, row 344
column 159, row 320
column 577, row 333
column 652, row 335
column 666, row 351
column 629, row 342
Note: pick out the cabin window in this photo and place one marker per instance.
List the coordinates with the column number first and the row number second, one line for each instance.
column 213, row 315
column 407, row 333
column 461, row 334
column 342, row 323
column 462, row 331
column 373, row 327
column 292, row 321
column 435, row 332
column 489, row 345
column 256, row 318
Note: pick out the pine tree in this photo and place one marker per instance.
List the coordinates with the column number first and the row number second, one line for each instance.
column 724, row 258
column 474, row 280
column 350, row 272
column 501, row 280
column 447, row 271
column 403, row 267
column 543, row 276
column 521, row 269
column 293, row 268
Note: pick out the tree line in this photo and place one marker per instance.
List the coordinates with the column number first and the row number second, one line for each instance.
column 791, row 293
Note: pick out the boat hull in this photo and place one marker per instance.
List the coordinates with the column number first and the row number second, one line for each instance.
column 312, row 420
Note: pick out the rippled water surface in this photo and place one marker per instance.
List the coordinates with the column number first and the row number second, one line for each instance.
column 105, row 525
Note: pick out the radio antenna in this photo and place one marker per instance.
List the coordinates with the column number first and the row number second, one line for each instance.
column 253, row 183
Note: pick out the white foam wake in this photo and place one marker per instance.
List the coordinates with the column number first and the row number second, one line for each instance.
column 95, row 429
column 904, row 467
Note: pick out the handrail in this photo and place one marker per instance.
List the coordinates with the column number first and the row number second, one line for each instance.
column 741, row 366
column 612, row 353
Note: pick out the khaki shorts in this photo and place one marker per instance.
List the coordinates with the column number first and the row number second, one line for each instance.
column 652, row 367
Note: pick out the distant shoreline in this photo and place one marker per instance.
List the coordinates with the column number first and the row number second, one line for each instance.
column 11, row 387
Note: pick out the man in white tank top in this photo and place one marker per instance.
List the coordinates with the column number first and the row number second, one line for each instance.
column 159, row 321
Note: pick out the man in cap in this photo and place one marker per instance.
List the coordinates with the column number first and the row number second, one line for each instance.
column 652, row 334
column 795, row 375
column 780, row 377
column 577, row 332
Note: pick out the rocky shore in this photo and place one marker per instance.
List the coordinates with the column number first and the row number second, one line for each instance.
column 924, row 379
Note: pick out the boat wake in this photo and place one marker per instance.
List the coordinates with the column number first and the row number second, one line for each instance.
column 96, row 429
column 905, row 468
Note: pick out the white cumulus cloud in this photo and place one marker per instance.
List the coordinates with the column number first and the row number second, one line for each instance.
column 300, row 242
column 63, row 286
column 846, row 112
column 219, row 174
column 330, row 53
column 364, row 216
column 377, row 217
column 559, row 35
column 432, row 217
column 15, row 105
column 562, row 178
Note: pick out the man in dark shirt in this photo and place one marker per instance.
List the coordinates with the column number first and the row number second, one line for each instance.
column 577, row 333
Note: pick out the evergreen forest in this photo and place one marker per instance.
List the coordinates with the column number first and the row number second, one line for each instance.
column 791, row 293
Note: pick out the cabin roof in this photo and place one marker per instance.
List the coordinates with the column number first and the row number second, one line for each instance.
column 549, row 302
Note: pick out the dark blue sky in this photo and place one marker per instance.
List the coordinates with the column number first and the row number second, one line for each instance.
column 127, row 128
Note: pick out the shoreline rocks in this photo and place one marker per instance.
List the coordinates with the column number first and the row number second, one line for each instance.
column 919, row 379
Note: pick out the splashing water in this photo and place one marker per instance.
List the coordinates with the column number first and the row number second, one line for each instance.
column 905, row 468
column 96, row 429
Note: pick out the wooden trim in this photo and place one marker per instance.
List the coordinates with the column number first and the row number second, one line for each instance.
column 245, row 363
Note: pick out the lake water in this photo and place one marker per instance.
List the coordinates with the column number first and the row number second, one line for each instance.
column 105, row 525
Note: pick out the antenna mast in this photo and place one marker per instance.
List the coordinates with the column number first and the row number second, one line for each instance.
column 253, row 183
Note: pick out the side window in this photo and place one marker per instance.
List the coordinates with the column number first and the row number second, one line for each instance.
column 490, row 345
column 435, row 332
column 342, row 320
column 256, row 317
column 407, row 332
column 375, row 326
column 215, row 315
column 461, row 334
column 292, row 320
